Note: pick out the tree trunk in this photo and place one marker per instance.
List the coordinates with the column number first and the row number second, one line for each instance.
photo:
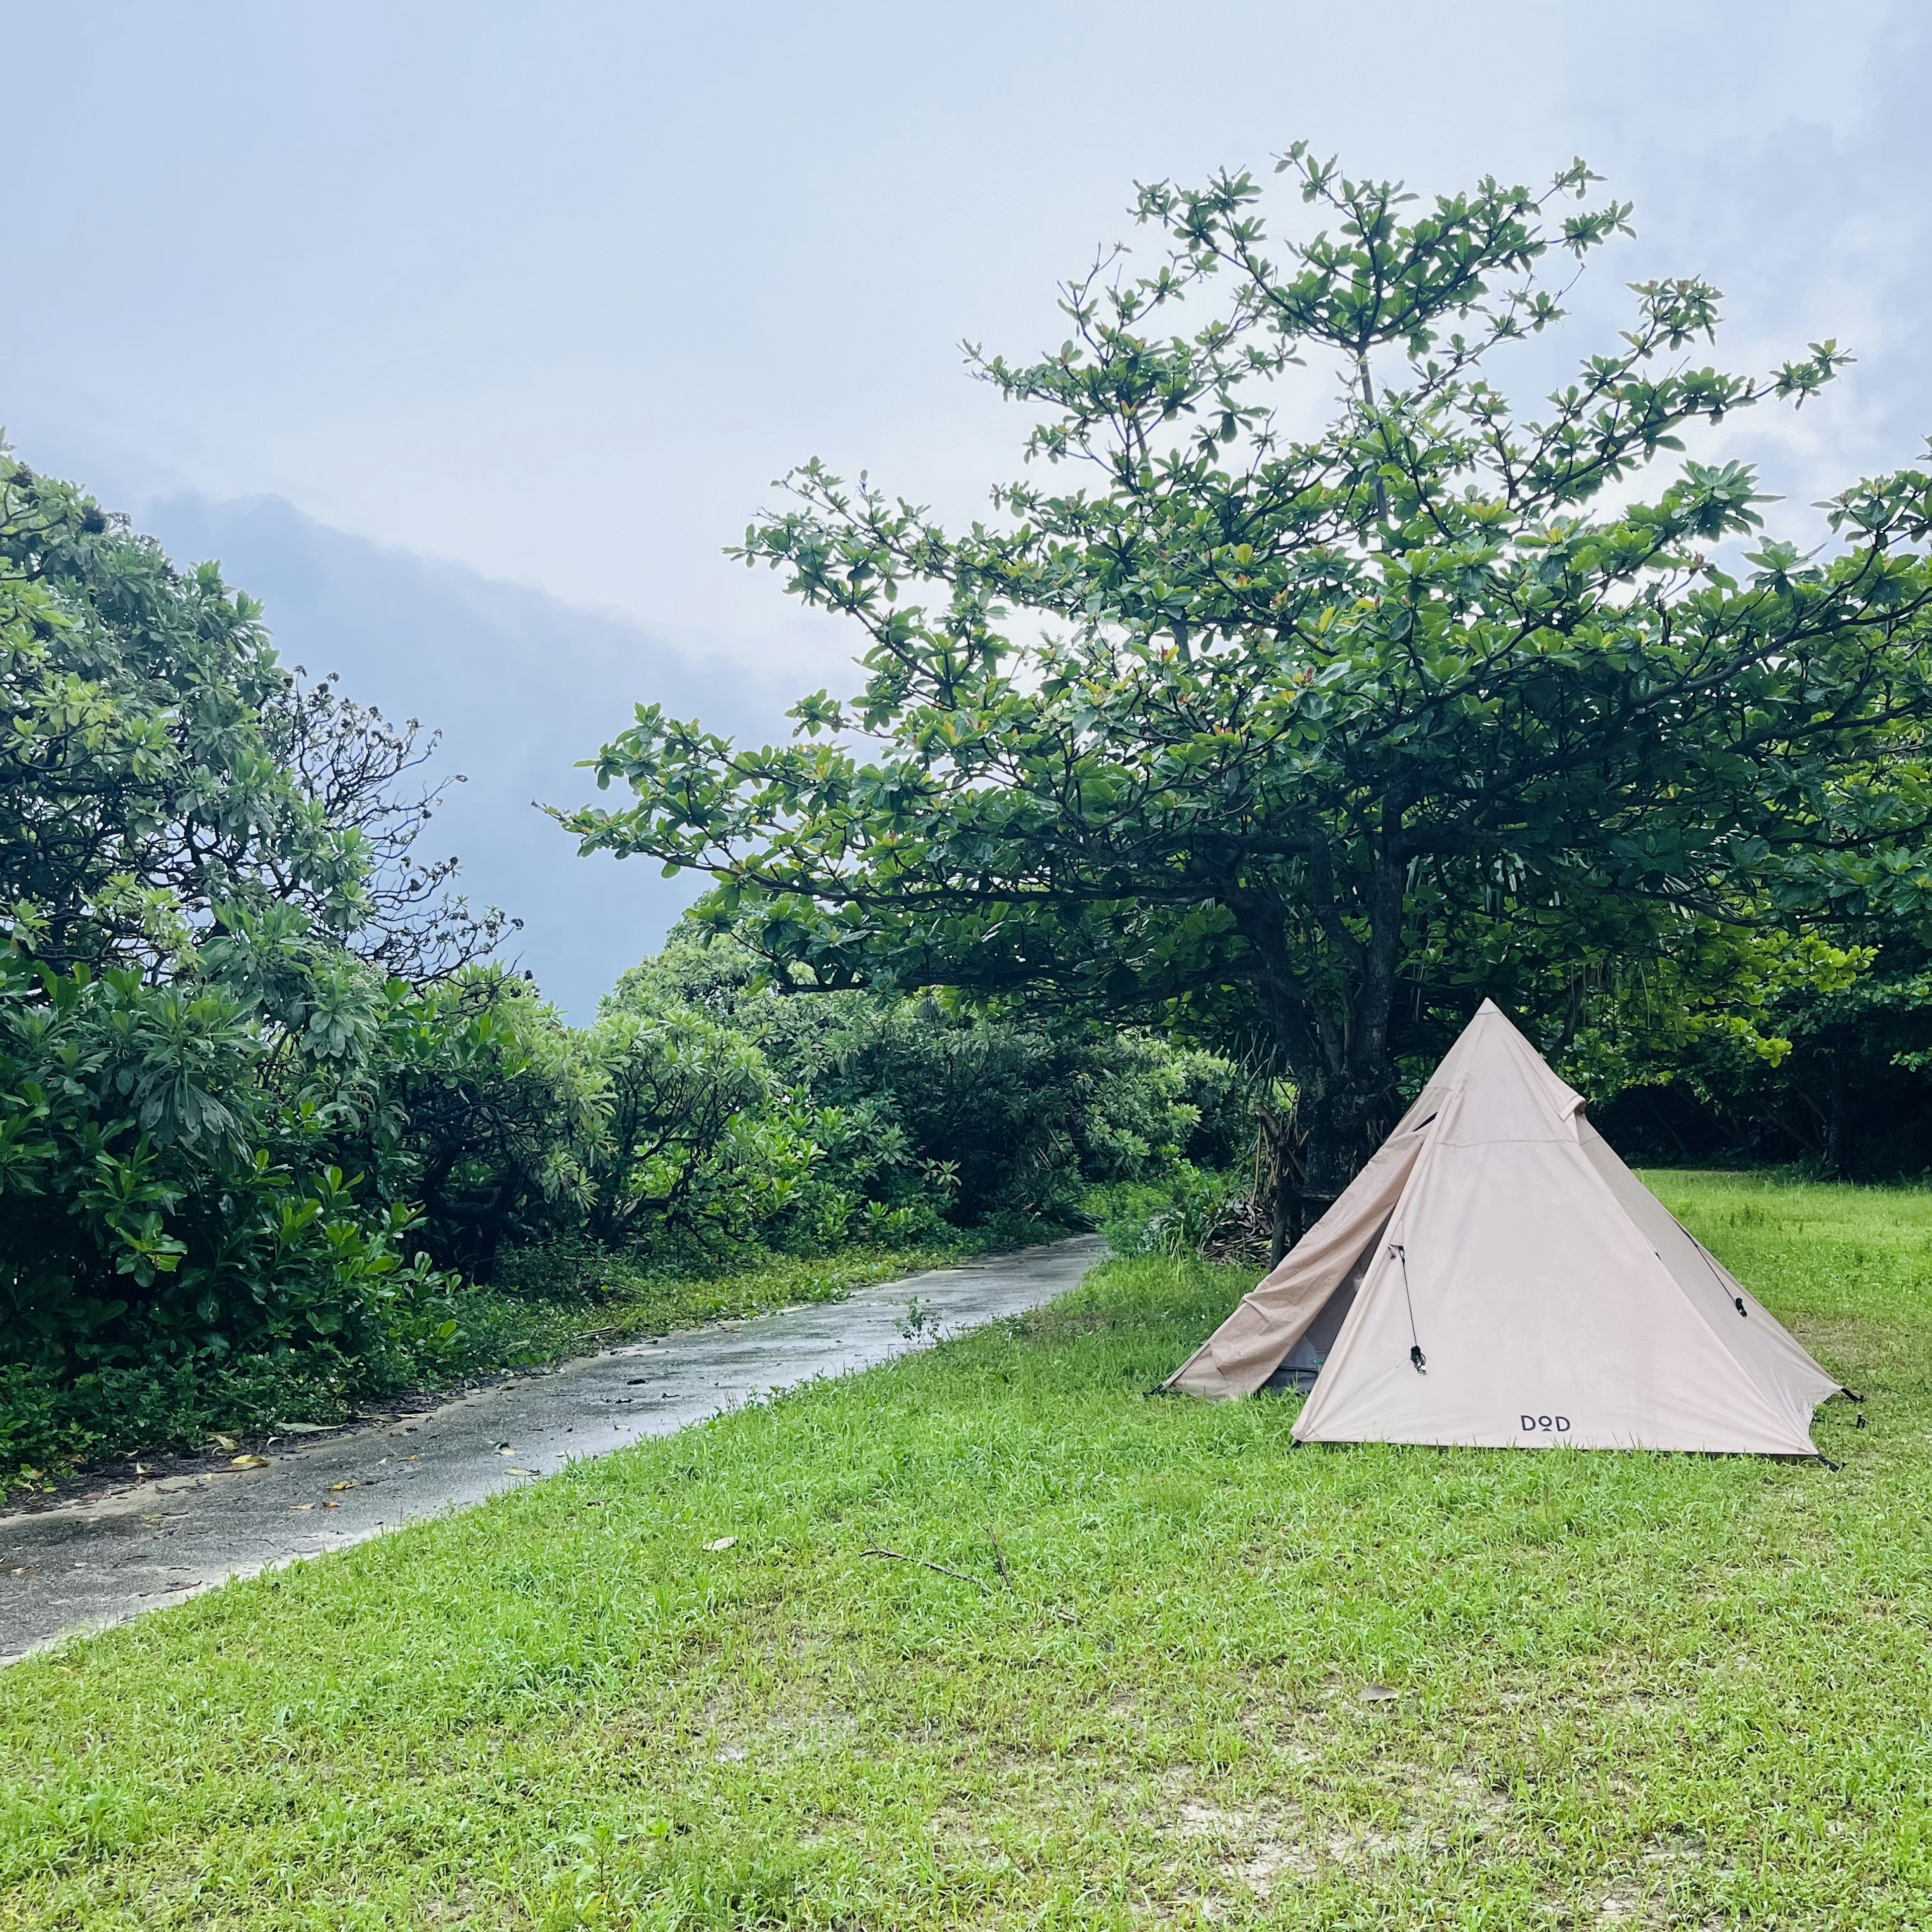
column 1336, row 1050
column 1839, row 1106
column 1284, row 1236
column 1278, row 1176
column 1345, row 1126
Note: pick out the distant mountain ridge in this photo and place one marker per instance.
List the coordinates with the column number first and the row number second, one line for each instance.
column 521, row 685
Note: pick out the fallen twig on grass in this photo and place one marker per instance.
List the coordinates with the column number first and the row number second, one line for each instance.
column 897, row 1556
column 967, row 1576
column 999, row 1559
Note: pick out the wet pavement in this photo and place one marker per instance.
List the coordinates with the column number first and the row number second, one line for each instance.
column 138, row 1546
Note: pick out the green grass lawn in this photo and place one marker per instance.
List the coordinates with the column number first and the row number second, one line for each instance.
column 1219, row 1682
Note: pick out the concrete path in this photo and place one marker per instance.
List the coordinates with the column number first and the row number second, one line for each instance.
column 141, row 1545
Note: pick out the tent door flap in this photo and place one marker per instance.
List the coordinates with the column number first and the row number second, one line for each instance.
column 1299, row 1367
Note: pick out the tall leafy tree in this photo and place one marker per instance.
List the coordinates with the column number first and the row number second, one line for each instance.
column 1260, row 727
column 163, row 776
column 207, row 875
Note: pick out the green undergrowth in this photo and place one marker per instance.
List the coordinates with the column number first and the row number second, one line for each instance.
column 989, row 1638
column 1125, row 1211
column 547, row 1304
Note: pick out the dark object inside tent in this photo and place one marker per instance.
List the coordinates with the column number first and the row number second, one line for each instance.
column 1302, row 1362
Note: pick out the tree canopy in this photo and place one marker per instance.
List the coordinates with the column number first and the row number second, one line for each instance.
column 1278, row 733
column 164, row 777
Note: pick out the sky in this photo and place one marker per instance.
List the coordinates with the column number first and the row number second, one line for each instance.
column 468, row 336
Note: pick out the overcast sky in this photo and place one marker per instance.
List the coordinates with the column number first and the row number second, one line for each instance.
column 552, row 293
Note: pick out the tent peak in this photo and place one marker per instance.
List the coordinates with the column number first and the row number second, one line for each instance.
column 1508, row 1088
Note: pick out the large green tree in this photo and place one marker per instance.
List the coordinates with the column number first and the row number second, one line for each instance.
column 207, row 878
column 1260, row 726
column 163, row 776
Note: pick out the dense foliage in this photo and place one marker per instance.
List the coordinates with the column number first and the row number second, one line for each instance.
column 1305, row 742
column 208, row 874
column 269, row 1111
column 1004, row 1112
column 1827, row 1070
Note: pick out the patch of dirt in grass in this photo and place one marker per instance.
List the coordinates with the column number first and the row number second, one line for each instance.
column 1639, row 1898
column 730, row 1727
column 1679, row 1849
column 1262, row 1842
column 1620, row 1906
column 1477, row 1805
column 805, row 1730
column 462, row 1907
column 788, row 1730
column 1250, row 1851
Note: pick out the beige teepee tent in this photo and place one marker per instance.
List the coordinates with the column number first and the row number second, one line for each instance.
column 1496, row 1277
